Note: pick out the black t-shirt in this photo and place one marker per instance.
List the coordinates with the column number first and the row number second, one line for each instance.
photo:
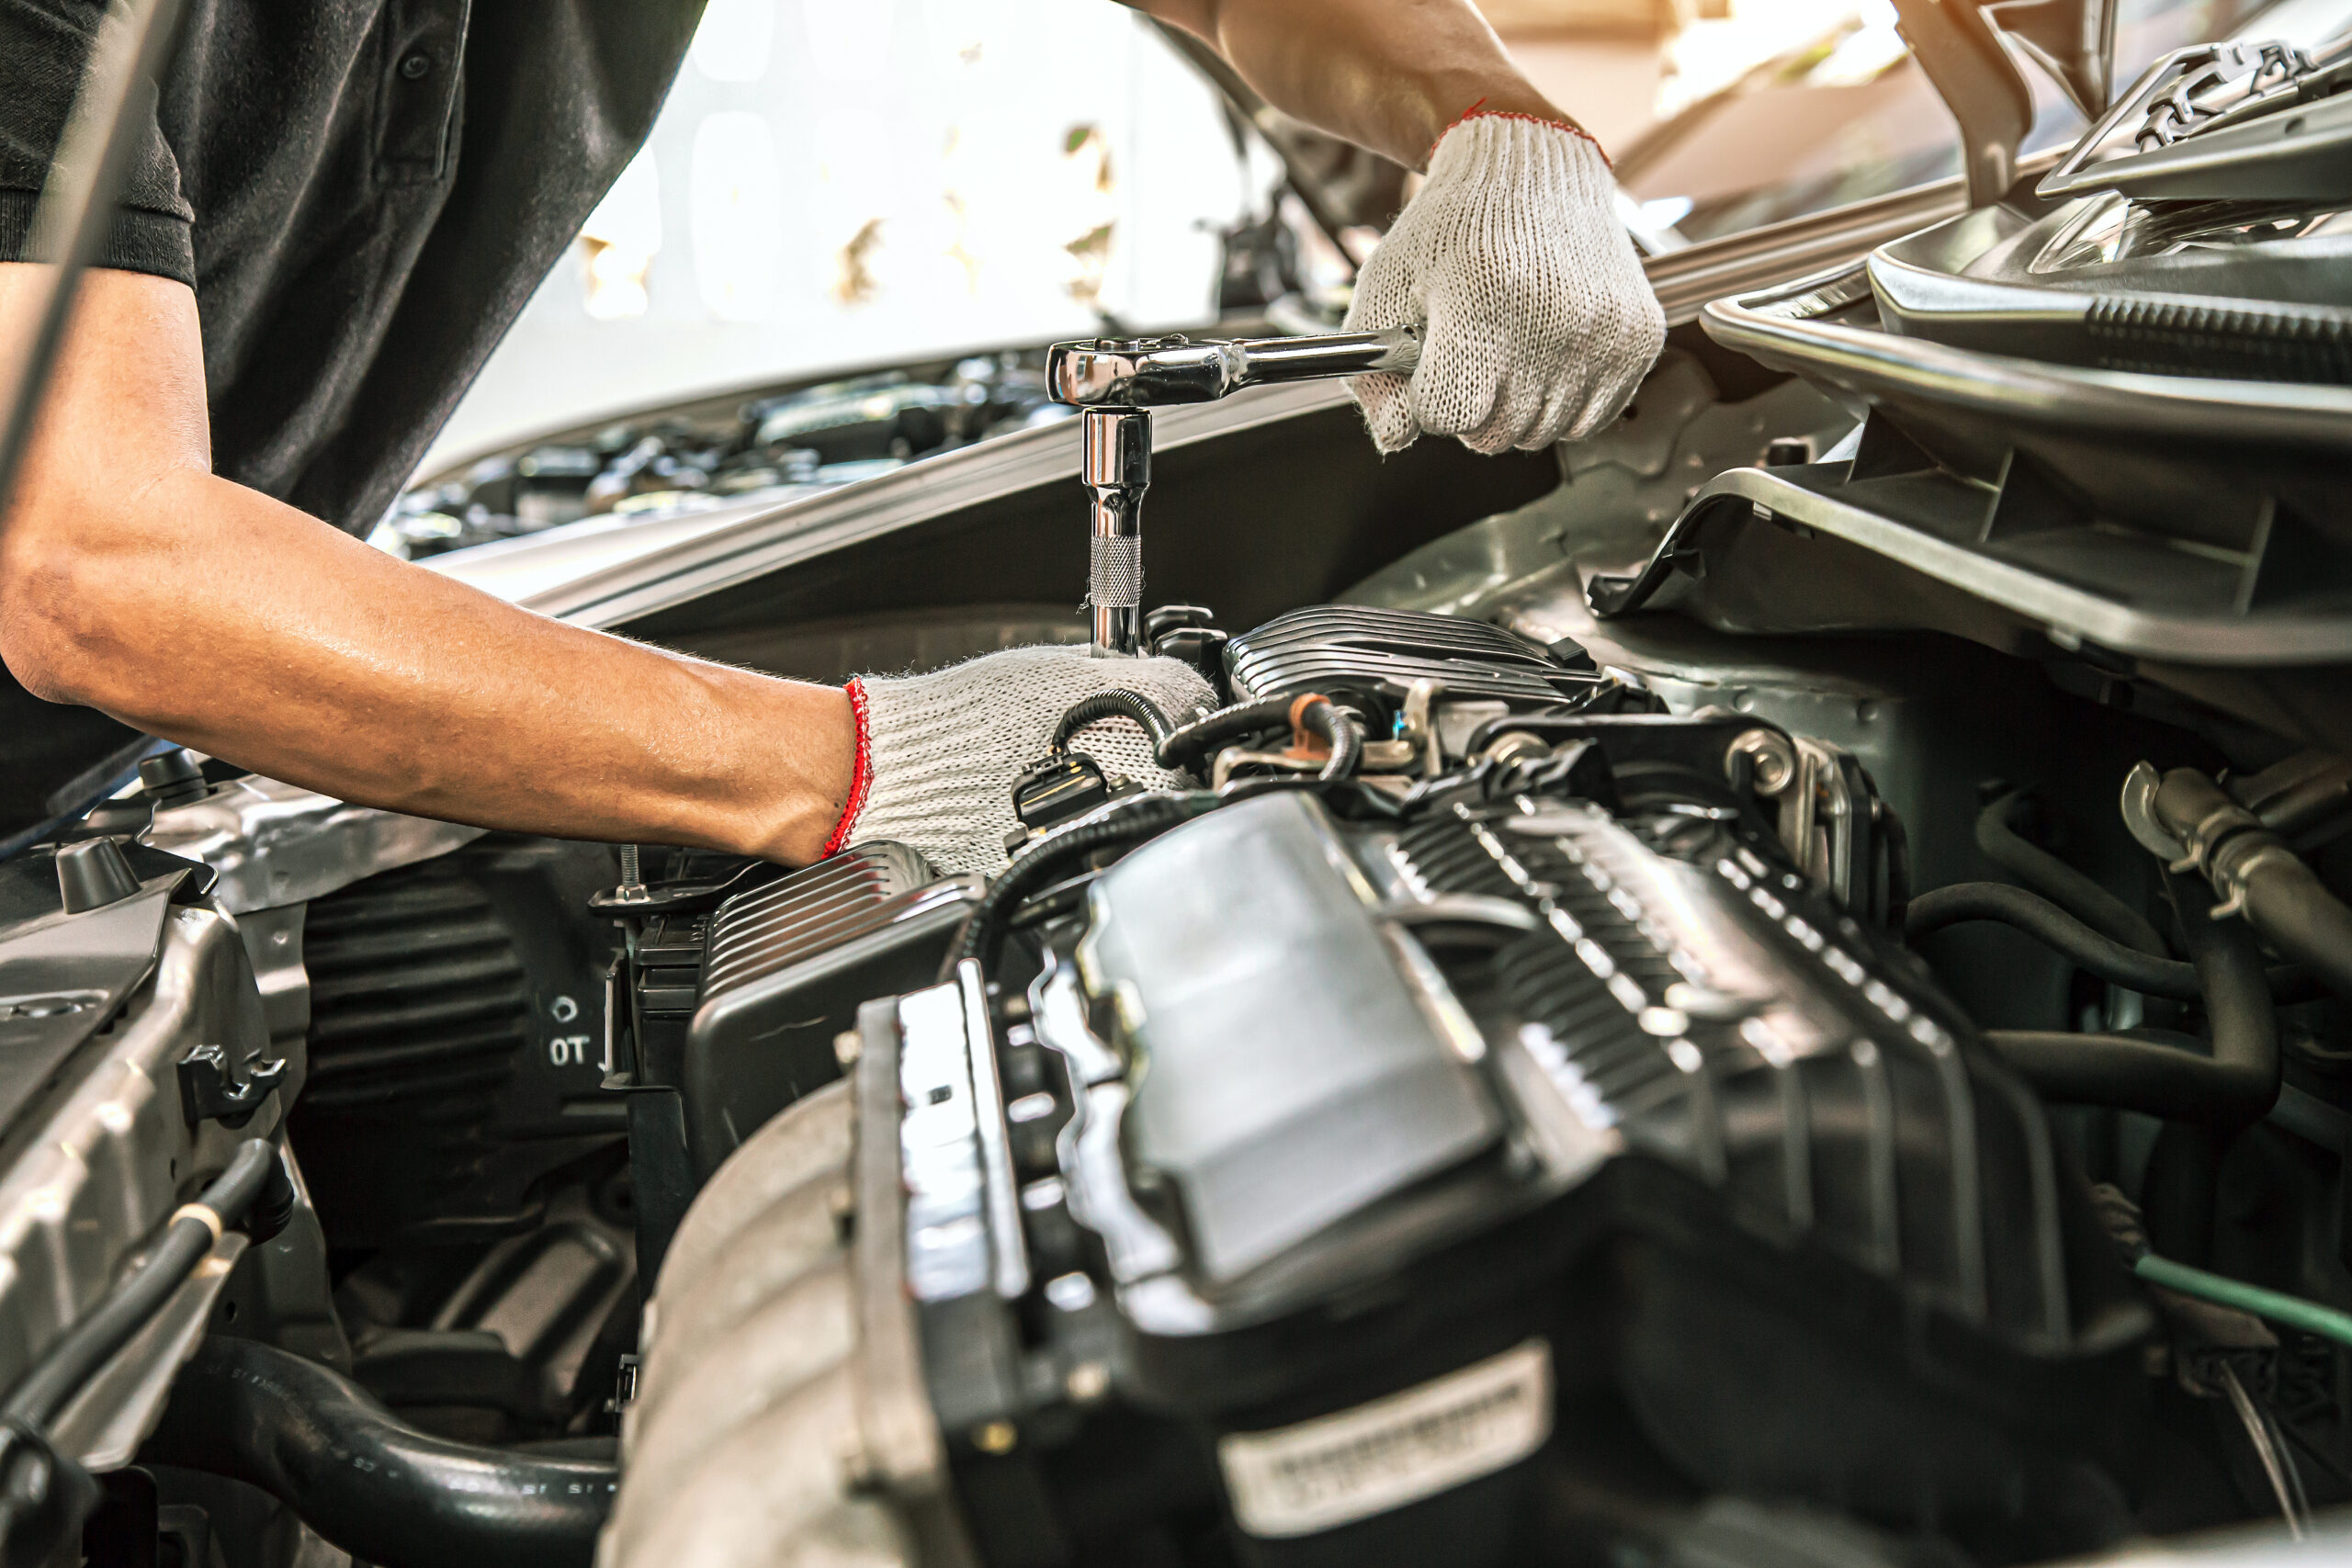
column 363, row 194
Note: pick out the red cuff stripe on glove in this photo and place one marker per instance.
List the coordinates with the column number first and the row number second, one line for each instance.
column 859, row 783
column 1474, row 112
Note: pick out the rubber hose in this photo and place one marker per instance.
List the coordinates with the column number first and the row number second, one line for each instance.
column 2318, row 800
column 2287, row 903
column 2283, row 897
column 2229, row 1090
column 983, row 933
column 367, row 1481
column 1188, row 744
column 1997, row 837
column 1339, row 732
column 1898, row 840
column 1125, row 705
column 66, row 1367
column 2076, row 942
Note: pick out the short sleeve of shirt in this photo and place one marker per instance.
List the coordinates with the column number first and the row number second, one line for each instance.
column 44, row 47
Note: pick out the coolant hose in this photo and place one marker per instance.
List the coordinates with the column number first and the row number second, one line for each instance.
column 2280, row 895
column 2085, row 949
column 1997, row 837
column 367, row 1483
column 2229, row 1090
column 1131, row 705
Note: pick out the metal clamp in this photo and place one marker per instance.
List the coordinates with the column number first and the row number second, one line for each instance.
column 2206, row 835
column 209, row 1093
column 2235, row 874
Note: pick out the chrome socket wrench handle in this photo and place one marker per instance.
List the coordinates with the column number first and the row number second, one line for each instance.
column 1157, row 372
column 1115, row 379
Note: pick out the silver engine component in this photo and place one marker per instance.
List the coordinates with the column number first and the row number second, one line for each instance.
column 740, row 1444
column 1446, row 676
column 98, row 1010
column 104, row 1166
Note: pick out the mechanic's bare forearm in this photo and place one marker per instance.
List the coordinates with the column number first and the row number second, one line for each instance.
column 134, row 582
column 1387, row 74
column 260, row 636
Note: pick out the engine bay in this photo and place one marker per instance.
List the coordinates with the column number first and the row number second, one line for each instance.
column 1380, row 1156
column 1517, row 1105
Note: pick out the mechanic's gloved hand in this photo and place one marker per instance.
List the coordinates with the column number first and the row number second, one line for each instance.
column 937, row 753
column 1539, row 321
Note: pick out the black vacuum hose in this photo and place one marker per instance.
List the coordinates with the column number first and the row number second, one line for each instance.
column 370, row 1485
column 2229, row 1090
column 1131, row 705
column 1186, row 745
column 983, row 933
column 1997, row 837
column 2287, row 903
column 2282, row 897
column 2085, row 949
column 65, row 1367
column 1338, row 732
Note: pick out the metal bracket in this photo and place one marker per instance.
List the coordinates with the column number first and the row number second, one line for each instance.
column 623, row 1384
column 1961, row 53
column 2140, row 815
column 209, row 1093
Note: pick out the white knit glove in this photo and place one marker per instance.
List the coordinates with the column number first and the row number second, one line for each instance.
column 1539, row 323
column 937, row 753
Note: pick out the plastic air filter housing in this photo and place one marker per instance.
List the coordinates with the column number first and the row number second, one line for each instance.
column 456, row 1042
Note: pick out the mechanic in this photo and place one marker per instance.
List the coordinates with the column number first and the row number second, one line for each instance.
column 336, row 209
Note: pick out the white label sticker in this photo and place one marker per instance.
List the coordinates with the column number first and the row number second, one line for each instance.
column 1338, row 1468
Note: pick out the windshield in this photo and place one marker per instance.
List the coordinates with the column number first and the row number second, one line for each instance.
column 1847, row 115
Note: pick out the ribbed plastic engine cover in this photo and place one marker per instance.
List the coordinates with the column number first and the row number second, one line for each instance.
column 785, row 967
column 1356, row 647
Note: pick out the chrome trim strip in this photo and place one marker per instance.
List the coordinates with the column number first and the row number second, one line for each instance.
column 1003, row 1193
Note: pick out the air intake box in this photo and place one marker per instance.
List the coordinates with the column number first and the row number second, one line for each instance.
column 784, row 969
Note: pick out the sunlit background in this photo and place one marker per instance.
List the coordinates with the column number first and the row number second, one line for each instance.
column 837, row 182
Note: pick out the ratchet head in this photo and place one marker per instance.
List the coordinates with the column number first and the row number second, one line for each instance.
column 1139, row 372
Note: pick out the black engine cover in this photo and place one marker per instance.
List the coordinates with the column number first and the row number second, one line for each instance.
column 1379, row 1145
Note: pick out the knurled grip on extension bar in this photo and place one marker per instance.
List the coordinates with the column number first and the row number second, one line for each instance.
column 1116, row 578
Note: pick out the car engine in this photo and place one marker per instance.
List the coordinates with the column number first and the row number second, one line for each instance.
column 1344, row 1154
